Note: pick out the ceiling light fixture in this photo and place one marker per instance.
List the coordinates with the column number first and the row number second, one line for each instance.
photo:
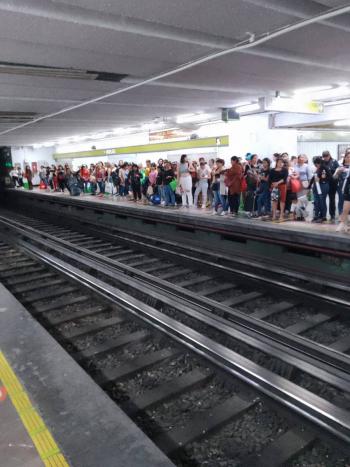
column 339, row 102
column 248, row 108
column 311, row 90
column 188, row 118
column 322, row 94
column 342, row 123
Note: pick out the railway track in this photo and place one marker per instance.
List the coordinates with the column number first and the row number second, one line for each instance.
column 302, row 304
column 174, row 394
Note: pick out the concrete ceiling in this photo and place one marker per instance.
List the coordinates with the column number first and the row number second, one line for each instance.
column 142, row 38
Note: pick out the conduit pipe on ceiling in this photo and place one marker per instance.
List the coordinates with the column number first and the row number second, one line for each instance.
column 83, row 16
column 248, row 44
column 302, row 10
column 98, row 19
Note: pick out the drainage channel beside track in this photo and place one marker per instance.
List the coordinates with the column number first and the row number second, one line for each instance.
column 172, row 387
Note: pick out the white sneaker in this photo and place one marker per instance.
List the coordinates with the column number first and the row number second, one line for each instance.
column 342, row 227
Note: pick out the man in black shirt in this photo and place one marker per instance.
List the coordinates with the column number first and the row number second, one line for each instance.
column 332, row 165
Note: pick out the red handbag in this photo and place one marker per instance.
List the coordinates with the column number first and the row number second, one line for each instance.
column 295, row 185
column 42, row 186
column 244, row 185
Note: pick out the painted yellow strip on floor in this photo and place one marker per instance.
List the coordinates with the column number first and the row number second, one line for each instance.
column 46, row 446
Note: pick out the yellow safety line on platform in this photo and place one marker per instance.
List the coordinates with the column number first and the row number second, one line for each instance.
column 46, row 446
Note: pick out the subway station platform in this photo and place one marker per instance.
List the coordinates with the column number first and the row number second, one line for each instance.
column 51, row 412
column 300, row 233
column 316, row 246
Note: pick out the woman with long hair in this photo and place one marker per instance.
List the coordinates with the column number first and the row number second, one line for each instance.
column 185, row 181
column 278, row 186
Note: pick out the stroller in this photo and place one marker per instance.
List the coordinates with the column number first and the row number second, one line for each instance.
column 301, row 212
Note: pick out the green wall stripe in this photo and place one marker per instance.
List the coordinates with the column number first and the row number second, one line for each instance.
column 156, row 147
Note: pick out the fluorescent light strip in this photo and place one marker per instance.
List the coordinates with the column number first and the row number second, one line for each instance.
column 188, row 118
column 342, row 123
column 248, row 108
column 310, row 90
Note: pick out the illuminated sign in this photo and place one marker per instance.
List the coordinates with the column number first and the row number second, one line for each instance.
column 294, row 105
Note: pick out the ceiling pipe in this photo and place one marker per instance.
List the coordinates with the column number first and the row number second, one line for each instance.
column 303, row 10
column 96, row 19
column 237, row 48
column 83, row 16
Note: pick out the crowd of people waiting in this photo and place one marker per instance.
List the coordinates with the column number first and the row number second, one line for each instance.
column 278, row 189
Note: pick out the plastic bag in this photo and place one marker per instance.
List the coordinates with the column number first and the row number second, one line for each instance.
column 109, row 189
column 173, row 184
column 295, row 185
column 25, row 183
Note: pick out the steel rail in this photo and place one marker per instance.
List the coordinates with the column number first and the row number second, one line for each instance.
column 333, row 366
column 291, row 288
column 316, row 410
column 323, row 354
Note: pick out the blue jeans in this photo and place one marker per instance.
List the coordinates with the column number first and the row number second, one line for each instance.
column 161, row 192
column 101, row 186
column 263, row 201
column 169, row 195
column 220, row 200
column 320, row 201
column 340, row 198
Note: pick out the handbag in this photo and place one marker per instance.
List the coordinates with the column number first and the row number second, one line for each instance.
column 149, row 190
column 295, row 185
column 275, row 194
column 215, row 186
column 244, row 185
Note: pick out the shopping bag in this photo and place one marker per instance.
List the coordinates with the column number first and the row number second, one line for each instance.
column 173, row 184
column 42, row 185
column 25, row 183
column 244, row 185
column 109, row 189
column 295, row 185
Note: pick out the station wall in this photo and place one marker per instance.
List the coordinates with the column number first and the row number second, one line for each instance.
column 249, row 134
column 315, row 148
